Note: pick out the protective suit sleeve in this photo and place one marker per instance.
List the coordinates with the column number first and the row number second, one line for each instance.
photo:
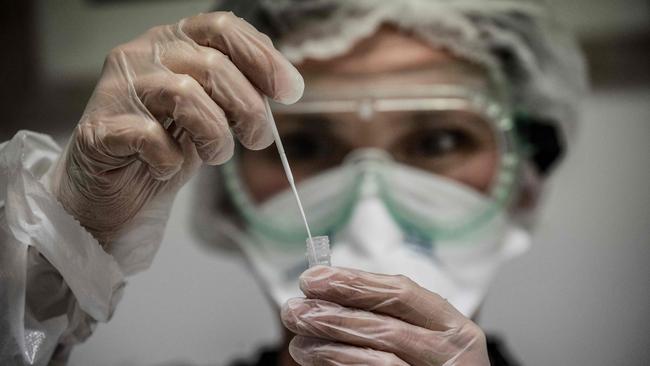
column 56, row 281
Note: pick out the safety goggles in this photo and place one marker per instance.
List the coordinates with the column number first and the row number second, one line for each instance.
column 432, row 139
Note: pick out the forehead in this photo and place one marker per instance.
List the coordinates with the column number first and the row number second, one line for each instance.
column 391, row 58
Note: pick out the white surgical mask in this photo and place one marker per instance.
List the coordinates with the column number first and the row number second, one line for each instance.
column 459, row 268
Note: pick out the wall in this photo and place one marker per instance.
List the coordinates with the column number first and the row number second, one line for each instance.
column 581, row 296
column 578, row 298
column 75, row 36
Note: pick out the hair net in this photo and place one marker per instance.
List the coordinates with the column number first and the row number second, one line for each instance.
column 518, row 39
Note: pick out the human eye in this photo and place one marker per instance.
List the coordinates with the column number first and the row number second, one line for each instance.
column 438, row 141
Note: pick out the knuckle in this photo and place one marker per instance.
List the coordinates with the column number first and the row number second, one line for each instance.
column 405, row 281
column 185, row 83
column 266, row 40
column 466, row 334
column 406, row 289
column 84, row 135
column 475, row 331
column 183, row 86
column 212, row 60
column 116, row 53
column 91, row 126
column 172, row 163
column 133, row 46
column 155, row 30
column 92, row 138
column 401, row 338
column 222, row 21
column 149, row 131
column 213, row 65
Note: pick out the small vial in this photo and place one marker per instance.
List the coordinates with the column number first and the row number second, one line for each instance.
column 318, row 251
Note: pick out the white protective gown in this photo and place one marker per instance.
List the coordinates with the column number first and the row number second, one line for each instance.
column 56, row 281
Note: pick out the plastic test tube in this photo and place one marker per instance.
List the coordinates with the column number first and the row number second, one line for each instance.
column 318, row 251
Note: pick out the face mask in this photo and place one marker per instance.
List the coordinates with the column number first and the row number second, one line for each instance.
column 459, row 268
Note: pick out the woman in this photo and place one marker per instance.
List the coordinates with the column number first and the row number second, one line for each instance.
column 419, row 145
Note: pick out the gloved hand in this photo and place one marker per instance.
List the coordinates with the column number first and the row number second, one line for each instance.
column 352, row 317
column 207, row 74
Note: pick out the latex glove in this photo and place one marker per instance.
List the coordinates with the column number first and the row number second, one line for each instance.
column 352, row 317
column 208, row 74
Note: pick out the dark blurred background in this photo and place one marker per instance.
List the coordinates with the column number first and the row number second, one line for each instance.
column 580, row 297
column 53, row 50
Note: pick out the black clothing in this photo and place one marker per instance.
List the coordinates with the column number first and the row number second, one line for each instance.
column 499, row 355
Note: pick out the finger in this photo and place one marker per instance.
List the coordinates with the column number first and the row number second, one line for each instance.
column 242, row 103
column 396, row 296
column 251, row 51
column 312, row 351
column 128, row 135
column 413, row 344
column 181, row 98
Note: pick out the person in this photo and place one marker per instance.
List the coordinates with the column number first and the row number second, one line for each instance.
column 420, row 147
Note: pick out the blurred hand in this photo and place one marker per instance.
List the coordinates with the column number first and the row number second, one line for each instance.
column 352, row 317
column 165, row 102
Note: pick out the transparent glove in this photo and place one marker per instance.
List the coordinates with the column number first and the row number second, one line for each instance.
column 165, row 102
column 352, row 317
